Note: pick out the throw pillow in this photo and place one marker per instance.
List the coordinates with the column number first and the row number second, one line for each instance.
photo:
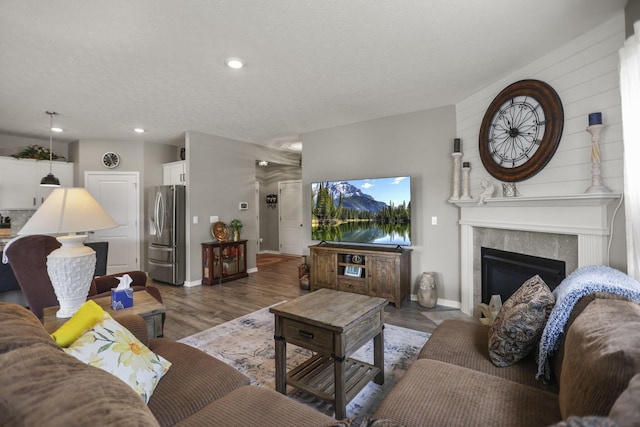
column 520, row 322
column 113, row 348
column 83, row 320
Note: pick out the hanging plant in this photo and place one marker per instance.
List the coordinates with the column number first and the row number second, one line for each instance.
column 36, row 152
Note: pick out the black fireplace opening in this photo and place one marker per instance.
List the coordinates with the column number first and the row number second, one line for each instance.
column 504, row 272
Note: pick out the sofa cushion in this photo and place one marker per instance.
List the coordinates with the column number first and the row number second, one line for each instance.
column 520, row 321
column 111, row 347
column 601, row 355
column 194, row 380
column 434, row 393
column 464, row 343
column 253, row 406
column 20, row 328
column 626, row 409
column 42, row 386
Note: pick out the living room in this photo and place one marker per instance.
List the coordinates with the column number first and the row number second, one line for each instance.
column 582, row 71
column 416, row 141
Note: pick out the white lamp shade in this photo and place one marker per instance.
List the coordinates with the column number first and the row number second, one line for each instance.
column 68, row 210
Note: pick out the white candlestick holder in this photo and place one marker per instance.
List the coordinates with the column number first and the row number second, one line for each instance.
column 455, row 195
column 466, row 195
column 597, row 183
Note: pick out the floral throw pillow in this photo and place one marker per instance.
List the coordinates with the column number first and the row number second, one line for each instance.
column 113, row 348
column 520, row 322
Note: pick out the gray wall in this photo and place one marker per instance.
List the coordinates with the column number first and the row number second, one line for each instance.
column 11, row 144
column 631, row 15
column 416, row 144
column 221, row 173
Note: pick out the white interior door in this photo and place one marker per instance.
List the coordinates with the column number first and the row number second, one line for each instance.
column 119, row 194
column 290, row 206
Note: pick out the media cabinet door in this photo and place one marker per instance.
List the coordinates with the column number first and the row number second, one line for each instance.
column 323, row 269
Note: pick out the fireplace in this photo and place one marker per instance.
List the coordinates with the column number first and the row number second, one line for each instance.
column 573, row 228
column 503, row 272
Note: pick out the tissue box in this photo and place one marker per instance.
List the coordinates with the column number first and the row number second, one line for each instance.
column 121, row 298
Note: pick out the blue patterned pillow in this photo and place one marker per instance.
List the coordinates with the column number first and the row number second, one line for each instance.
column 519, row 323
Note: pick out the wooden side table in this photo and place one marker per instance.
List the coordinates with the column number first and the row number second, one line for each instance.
column 334, row 325
column 144, row 305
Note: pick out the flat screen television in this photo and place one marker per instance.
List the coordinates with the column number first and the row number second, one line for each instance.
column 373, row 211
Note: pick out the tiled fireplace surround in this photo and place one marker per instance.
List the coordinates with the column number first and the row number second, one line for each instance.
column 573, row 228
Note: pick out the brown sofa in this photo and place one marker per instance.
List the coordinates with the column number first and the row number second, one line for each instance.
column 41, row 385
column 454, row 383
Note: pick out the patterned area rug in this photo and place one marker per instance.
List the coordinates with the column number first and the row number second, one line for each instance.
column 246, row 343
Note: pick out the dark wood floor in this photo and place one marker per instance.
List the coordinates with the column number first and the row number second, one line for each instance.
column 191, row 310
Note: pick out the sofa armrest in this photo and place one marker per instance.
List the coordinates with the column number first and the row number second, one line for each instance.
column 135, row 324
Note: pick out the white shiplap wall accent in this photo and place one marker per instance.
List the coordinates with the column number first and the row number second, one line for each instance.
column 584, row 72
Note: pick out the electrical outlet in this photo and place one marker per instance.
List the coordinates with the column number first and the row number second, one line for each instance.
column 434, row 220
column 214, row 218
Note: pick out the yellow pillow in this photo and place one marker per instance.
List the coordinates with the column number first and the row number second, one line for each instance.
column 85, row 318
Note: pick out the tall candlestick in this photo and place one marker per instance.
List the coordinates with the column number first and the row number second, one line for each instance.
column 597, row 183
column 456, row 177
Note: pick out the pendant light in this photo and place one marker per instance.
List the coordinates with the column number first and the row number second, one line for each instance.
column 50, row 180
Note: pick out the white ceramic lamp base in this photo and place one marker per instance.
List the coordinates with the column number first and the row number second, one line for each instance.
column 71, row 268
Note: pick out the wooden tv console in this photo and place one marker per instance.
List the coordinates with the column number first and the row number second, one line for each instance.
column 374, row 271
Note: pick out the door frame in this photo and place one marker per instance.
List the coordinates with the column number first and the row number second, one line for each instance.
column 137, row 208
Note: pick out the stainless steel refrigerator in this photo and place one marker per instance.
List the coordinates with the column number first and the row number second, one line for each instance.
column 166, row 239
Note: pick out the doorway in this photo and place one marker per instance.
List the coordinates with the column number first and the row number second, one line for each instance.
column 119, row 194
column 268, row 179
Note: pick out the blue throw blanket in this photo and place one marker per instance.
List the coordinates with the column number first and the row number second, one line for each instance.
column 583, row 281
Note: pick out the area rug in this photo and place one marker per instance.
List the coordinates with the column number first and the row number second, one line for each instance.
column 246, row 343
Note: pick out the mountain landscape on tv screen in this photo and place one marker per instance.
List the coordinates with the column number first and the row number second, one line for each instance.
column 344, row 211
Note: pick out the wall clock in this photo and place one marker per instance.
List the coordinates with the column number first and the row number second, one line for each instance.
column 521, row 130
column 111, row 160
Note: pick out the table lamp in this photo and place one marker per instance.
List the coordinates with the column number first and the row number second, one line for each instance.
column 70, row 267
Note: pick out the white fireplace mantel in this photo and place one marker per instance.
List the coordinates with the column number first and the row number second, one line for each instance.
column 584, row 215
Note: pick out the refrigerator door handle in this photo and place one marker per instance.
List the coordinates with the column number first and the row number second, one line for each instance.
column 159, row 213
column 161, row 248
column 160, row 264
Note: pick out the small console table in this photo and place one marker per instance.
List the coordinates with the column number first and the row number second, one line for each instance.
column 223, row 261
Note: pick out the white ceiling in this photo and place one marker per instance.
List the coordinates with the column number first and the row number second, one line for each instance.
column 109, row 66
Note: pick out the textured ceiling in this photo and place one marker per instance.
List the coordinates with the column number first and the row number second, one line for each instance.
column 107, row 67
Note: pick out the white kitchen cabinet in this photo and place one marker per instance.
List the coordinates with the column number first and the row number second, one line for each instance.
column 20, row 181
column 174, row 173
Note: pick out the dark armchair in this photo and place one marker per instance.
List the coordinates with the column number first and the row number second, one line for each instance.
column 28, row 259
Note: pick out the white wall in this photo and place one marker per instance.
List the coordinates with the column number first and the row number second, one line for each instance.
column 585, row 75
column 416, row 144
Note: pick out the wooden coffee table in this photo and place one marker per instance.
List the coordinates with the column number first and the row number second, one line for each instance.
column 144, row 305
column 334, row 325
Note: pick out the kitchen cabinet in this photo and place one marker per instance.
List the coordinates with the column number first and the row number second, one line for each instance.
column 20, row 181
column 174, row 173
column 374, row 271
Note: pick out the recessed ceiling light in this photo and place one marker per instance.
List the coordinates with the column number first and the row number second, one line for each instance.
column 138, row 130
column 234, row 63
column 56, row 129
